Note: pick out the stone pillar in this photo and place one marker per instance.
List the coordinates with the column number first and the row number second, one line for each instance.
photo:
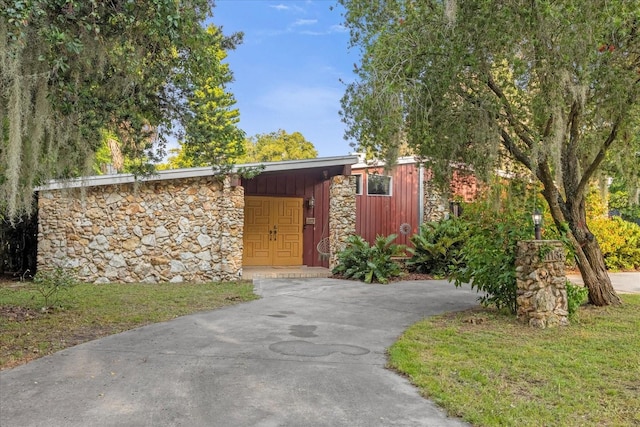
column 342, row 214
column 541, row 283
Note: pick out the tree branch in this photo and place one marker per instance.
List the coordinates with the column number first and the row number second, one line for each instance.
column 571, row 175
column 517, row 126
column 511, row 146
column 599, row 157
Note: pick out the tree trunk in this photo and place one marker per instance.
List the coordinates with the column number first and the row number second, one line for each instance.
column 588, row 254
column 594, row 274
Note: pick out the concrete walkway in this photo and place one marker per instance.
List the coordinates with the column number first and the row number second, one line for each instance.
column 311, row 352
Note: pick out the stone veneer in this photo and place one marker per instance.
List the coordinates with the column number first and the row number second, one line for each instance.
column 541, row 283
column 162, row 231
column 342, row 214
column 435, row 207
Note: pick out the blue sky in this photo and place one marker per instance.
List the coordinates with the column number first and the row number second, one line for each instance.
column 288, row 69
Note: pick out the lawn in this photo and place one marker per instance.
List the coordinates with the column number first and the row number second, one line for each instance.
column 85, row 312
column 489, row 369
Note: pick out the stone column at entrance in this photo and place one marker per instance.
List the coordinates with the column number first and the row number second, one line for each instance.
column 541, row 283
column 342, row 214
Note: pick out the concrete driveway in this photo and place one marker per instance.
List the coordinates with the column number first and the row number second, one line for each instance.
column 311, row 352
column 625, row 283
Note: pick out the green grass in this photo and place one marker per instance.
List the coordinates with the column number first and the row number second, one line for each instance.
column 86, row 312
column 491, row 370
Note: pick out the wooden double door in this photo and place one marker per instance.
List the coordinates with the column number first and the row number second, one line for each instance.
column 272, row 231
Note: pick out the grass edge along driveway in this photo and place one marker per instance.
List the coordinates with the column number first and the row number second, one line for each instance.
column 86, row 312
column 491, row 370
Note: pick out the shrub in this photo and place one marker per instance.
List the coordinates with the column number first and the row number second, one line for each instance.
column 620, row 201
column 619, row 241
column 437, row 247
column 369, row 263
column 576, row 296
column 49, row 283
column 489, row 254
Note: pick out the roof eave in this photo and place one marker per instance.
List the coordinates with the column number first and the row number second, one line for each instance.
column 172, row 174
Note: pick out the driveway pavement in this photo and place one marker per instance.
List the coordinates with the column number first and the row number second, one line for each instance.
column 311, row 352
column 626, row 283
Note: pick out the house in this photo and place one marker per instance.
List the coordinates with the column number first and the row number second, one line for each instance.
column 193, row 225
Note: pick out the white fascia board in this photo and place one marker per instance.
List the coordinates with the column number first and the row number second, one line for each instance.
column 319, row 162
column 380, row 163
column 173, row 174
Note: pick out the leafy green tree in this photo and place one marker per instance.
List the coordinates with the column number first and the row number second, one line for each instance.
column 550, row 86
column 72, row 69
column 177, row 159
column 212, row 137
column 278, row 146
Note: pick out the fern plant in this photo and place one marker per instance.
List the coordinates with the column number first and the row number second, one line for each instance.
column 437, row 247
column 368, row 263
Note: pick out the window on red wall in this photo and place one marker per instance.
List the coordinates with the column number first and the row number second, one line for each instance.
column 378, row 185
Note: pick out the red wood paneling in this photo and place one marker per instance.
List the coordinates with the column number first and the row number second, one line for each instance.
column 383, row 215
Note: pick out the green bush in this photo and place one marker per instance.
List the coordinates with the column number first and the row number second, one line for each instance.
column 576, row 296
column 49, row 283
column 437, row 247
column 619, row 200
column 369, row 263
column 619, row 241
column 489, row 254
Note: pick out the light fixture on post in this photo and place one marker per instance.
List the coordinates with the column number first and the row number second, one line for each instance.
column 311, row 202
column 537, row 222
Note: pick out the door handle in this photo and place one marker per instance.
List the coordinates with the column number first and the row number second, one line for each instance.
column 270, row 235
column 275, row 232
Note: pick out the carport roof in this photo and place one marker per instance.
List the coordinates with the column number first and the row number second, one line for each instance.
column 171, row 174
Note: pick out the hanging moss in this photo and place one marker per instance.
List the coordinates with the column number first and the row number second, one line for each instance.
column 70, row 70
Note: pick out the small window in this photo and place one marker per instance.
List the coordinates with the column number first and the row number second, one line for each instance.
column 358, row 183
column 379, row 185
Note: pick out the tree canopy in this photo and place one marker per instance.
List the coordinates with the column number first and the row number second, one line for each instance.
column 71, row 70
column 551, row 86
column 278, row 146
column 266, row 147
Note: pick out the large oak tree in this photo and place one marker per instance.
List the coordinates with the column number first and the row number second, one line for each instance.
column 553, row 86
column 71, row 70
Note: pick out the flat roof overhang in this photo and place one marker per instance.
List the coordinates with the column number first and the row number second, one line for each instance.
column 329, row 163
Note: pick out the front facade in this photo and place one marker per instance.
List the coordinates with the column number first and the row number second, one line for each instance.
column 191, row 225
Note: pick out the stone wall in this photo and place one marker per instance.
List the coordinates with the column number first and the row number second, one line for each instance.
column 541, row 283
column 342, row 214
column 162, row 231
column 435, row 207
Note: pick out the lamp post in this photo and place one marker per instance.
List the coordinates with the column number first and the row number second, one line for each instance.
column 537, row 221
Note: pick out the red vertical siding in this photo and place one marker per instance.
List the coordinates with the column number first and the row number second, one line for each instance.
column 383, row 215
